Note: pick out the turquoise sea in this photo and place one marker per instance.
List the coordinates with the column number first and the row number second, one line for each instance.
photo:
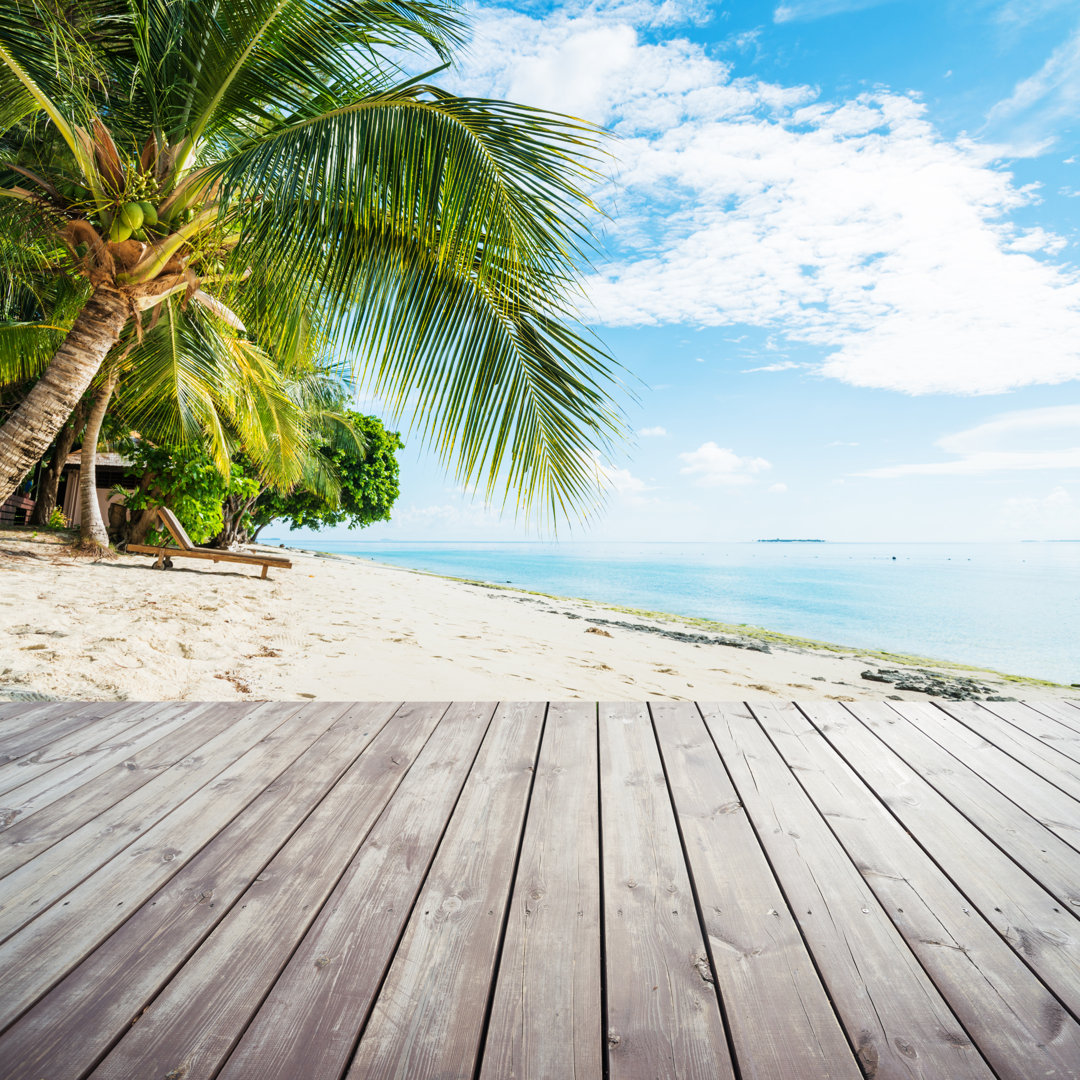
column 1014, row 607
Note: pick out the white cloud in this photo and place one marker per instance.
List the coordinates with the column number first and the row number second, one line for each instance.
column 851, row 225
column 715, row 465
column 783, row 365
column 652, row 432
column 1028, row 439
column 778, row 488
column 623, row 481
column 985, row 462
column 805, row 10
column 1037, row 105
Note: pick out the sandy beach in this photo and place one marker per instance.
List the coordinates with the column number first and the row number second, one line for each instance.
column 342, row 628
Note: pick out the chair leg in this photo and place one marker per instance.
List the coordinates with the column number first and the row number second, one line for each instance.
column 265, row 568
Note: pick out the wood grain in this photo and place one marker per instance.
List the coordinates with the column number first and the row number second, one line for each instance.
column 1039, row 756
column 73, row 1026
column 894, row 1016
column 38, row 830
column 310, row 1022
column 983, row 764
column 55, row 940
column 545, row 1019
column 782, row 1022
column 428, row 1019
column 198, row 1018
column 1043, row 932
column 663, row 1015
column 1019, row 1026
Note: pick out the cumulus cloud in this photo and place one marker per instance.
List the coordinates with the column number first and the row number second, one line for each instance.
column 850, row 225
column 714, row 465
column 1024, row 440
column 652, row 432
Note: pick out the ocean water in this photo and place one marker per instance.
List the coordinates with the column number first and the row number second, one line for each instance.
column 1014, row 607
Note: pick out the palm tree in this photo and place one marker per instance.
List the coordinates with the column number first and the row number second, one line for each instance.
column 259, row 160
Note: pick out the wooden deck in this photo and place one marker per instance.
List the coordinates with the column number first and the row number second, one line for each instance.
column 290, row 891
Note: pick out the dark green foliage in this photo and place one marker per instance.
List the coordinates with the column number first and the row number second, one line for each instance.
column 186, row 481
column 369, row 484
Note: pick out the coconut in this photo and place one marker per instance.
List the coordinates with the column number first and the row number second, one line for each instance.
column 119, row 231
column 150, row 215
column 132, row 215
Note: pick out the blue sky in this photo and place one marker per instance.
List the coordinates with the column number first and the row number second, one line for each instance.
column 842, row 264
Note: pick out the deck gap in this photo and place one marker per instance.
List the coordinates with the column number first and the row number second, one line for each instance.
column 392, row 955
column 735, row 1066
column 605, row 1055
column 952, row 881
column 482, row 1044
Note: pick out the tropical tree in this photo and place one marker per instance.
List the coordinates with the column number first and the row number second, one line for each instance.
column 263, row 162
column 367, row 485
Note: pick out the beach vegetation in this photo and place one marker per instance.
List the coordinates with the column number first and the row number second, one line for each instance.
column 352, row 478
column 192, row 188
column 367, row 479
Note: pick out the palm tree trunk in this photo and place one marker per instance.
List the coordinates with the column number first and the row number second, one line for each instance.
column 35, row 423
column 49, row 484
column 92, row 532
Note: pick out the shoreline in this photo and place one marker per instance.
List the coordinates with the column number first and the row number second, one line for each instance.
column 717, row 626
column 346, row 627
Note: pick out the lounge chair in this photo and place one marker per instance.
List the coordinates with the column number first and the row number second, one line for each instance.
column 184, row 548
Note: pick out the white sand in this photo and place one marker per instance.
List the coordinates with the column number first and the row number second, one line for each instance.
column 349, row 629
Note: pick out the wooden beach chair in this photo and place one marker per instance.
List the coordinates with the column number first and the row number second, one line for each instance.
column 184, row 548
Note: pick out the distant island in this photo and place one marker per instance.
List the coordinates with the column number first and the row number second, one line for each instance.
column 780, row 540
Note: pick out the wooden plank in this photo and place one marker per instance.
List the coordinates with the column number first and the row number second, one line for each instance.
column 663, row 1015
column 894, row 1016
column 57, row 777
column 40, row 866
column 1065, row 712
column 1044, row 759
column 77, row 742
column 546, row 1013
column 1062, row 714
column 1042, row 930
column 428, row 1019
column 781, row 1019
column 990, row 765
column 1048, row 858
column 311, row 1020
column 75, row 1024
column 1019, row 1026
column 50, row 945
column 1035, row 723
column 34, row 832
column 191, row 1026
column 9, row 710
column 54, row 722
